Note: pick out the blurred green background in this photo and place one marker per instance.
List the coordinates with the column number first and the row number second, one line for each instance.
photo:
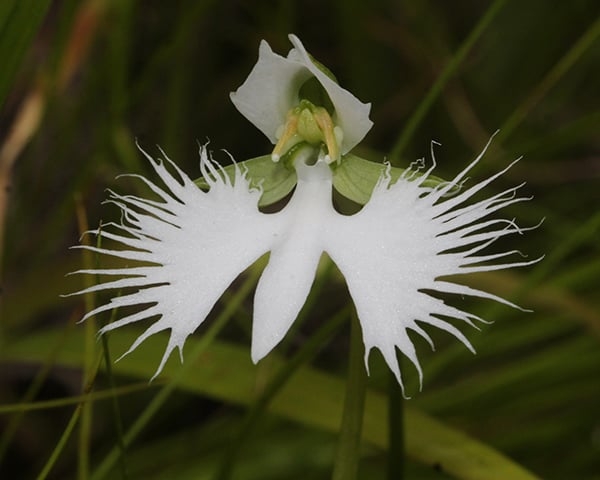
column 82, row 80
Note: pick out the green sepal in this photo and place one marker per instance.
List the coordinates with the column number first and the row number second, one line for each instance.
column 275, row 179
column 355, row 178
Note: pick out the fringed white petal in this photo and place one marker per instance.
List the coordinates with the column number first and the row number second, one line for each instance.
column 394, row 252
column 272, row 88
column 197, row 242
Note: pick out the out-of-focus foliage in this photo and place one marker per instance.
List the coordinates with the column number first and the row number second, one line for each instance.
column 99, row 74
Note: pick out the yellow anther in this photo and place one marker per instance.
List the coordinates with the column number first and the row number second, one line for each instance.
column 309, row 123
column 326, row 126
column 286, row 140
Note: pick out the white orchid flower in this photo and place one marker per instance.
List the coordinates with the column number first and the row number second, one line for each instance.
column 404, row 243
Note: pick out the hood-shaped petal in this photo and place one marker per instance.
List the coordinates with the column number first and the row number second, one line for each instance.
column 351, row 115
column 270, row 91
column 196, row 242
column 273, row 86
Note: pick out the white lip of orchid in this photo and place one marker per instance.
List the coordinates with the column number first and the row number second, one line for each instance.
column 396, row 250
column 272, row 90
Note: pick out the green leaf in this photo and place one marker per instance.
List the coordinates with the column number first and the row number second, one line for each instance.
column 355, row 177
column 19, row 21
column 274, row 178
column 311, row 397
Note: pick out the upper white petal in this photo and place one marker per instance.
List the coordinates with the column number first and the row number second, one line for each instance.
column 272, row 87
column 270, row 91
column 350, row 113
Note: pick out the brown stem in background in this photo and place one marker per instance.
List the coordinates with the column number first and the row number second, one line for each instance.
column 29, row 116
column 22, row 130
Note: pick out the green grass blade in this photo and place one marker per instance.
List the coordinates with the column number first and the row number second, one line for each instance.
column 588, row 38
column 435, row 90
column 19, row 21
column 311, row 397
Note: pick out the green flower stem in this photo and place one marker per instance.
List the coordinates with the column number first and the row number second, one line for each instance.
column 86, row 409
column 111, row 379
column 396, row 448
column 77, row 414
column 348, row 448
column 321, row 337
column 61, row 443
column 115, row 405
